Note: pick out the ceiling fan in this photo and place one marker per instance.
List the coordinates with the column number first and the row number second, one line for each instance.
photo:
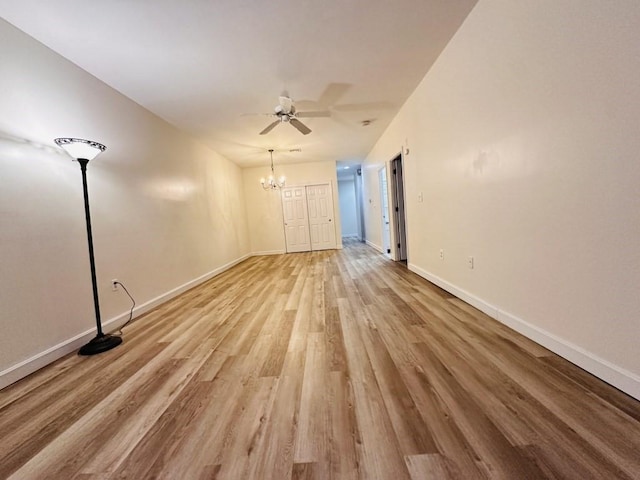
column 285, row 112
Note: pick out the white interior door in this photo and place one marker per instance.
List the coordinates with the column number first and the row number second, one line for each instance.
column 321, row 225
column 384, row 210
column 296, row 221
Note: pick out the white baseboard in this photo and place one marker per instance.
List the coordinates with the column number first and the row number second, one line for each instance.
column 458, row 292
column 268, row 252
column 373, row 245
column 30, row 365
column 617, row 376
column 620, row 378
column 42, row 359
column 145, row 307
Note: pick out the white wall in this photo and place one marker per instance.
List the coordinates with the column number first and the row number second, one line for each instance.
column 264, row 208
column 166, row 210
column 523, row 140
column 348, row 211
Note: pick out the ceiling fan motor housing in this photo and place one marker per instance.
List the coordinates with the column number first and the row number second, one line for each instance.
column 281, row 110
column 285, row 112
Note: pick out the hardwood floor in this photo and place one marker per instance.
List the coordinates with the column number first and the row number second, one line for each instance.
column 335, row 364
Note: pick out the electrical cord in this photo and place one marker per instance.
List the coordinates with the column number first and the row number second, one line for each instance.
column 133, row 304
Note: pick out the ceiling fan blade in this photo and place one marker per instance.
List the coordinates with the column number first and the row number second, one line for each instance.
column 333, row 93
column 270, row 127
column 286, row 103
column 302, row 128
column 363, row 107
column 257, row 115
column 326, row 113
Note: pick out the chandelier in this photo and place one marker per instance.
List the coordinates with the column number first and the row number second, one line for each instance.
column 270, row 183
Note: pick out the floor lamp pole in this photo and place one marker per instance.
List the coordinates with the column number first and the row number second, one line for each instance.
column 101, row 342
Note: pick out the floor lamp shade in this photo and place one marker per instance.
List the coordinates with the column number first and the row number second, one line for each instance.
column 84, row 151
column 79, row 148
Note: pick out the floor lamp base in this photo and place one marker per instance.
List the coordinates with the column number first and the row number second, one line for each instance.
column 100, row 344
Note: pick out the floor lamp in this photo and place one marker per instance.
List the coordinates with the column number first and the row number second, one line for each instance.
column 83, row 151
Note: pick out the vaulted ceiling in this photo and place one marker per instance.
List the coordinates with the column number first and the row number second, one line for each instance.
column 202, row 64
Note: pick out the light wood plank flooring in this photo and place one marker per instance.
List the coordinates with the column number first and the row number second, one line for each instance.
column 336, row 364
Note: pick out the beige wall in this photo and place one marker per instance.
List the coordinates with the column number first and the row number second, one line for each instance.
column 166, row 210
column 523, row 140
column 264, row 209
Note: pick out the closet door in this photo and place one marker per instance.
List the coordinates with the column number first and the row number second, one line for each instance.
column 296, row 221
column 321, row 225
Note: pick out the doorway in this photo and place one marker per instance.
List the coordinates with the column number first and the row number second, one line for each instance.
column 350, row 201
column 398, row 211
column 384, row 210
column 308, row 218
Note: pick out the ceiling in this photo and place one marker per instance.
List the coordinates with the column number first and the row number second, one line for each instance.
column 201, row 64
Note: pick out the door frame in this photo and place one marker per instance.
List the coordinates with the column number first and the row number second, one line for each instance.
column 400, row 244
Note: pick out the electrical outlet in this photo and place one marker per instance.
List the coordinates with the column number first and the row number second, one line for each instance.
column 441, row 254
column 114, row 284
column 470, row 261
